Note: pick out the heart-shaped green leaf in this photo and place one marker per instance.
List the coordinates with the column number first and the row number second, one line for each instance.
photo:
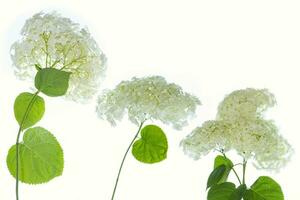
column 40, row 157
column 152, row 147
column 221, row 160
column 35, row 107
column 216, row 175
column 264, row 188
column 52, row 82
column 221, row 191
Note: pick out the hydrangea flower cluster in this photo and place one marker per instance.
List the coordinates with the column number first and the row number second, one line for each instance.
column 240, row 126
column 49, row 40
column 247, row 104
column 147, row 98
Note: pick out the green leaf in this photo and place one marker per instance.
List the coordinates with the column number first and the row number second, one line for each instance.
column 216, row 175
column 221, row 160
column 152, row 147
column 238, row 193
column 41, row 157
column 52, row 82
column 251, row 195
column 221, row 191
column 35, row 107
column 264, row 188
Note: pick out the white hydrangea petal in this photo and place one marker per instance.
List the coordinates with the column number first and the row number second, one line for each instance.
column 148, row 98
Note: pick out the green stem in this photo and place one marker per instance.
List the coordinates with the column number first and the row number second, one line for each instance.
column 236, row 174
column 234, row 171
column 17, row 142
column 123, row 160
column 46, row 40
column 244, row 170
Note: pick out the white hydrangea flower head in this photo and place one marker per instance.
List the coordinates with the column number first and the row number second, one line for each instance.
column 248, row 103
column 50, row 40
column 147, row 98
column 243, row 130
column 204, row 139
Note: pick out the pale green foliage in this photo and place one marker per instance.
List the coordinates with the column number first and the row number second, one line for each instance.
column 264, row 188
column 147, row 98
column 35, row 113
column 221, row 160
column 41, row 157
column 239, row 193
column 216, row 175
column 49, row 40
column 221, row 191
column 240, row 126
column 52, row 82
column 153, row 145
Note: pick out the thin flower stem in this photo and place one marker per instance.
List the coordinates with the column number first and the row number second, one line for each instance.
column 18, row 138
column 244, row 170
column 54, row 63
column 236, row 174
column 46, row 51
column 234, row 171
column 238, row 164
column 124, row 157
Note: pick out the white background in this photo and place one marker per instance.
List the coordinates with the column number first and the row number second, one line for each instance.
column 210, row 48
